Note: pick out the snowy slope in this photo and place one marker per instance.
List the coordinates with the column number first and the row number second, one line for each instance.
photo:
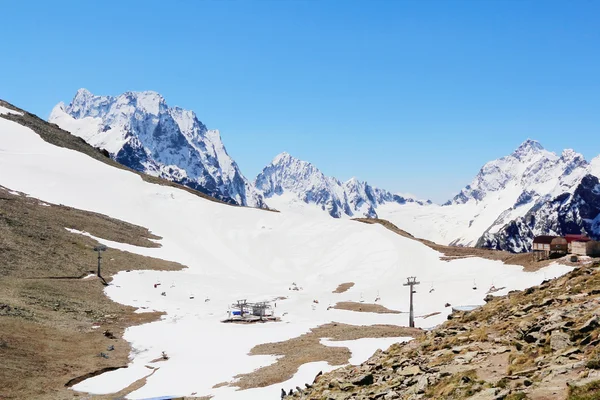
column 141, row 131
column 236, row 252
column 288, row 181
column 503, row 191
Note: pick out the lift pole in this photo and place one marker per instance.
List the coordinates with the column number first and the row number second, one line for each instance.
column 411, row 281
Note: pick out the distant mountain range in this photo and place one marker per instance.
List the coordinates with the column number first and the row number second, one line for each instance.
column 529, row 192
column 287, row 174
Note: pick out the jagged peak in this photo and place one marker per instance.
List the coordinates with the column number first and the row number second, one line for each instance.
column 528, row 146
column 570, row 154
column 83, row 92
column 285, row 158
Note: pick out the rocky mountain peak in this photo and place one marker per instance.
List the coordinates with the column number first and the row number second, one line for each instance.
column 528, row 147
column 141, row 131
column 287, row 174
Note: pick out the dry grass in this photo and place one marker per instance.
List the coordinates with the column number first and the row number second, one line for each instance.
column 48, row 312
column 343, row 287
column 364, row 307
column 307, row 348
column 457, row 386
column 591, row 391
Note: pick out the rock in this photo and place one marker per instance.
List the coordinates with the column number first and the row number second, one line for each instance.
column 532, row 337
column 391, row 396
column 590, row 325
column 486, row 394
column 528, row 372
column 546, row 302
column 458, row 349
column 501, row 395
column 467, row 357
column 421, row 384
column 363, row 380
column 559, row 340
column 410, row 371
column 571, row 351
column 527, row 307
column 500, row 350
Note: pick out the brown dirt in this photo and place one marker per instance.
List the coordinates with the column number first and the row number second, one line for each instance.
column 364, row 307
column 343, row 287
column 46, row 312
column 454, row 252
column 307, row 348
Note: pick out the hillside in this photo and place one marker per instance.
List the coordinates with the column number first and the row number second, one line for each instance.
column 287, row 259
column 541, row 343
column 53, row 315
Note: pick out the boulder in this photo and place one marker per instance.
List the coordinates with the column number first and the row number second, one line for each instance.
column 559, row 341
column 363, row 380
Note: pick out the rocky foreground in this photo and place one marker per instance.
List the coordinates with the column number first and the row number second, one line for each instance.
column 541, row 343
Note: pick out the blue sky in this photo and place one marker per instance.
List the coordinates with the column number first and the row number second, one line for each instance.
column 412, row 96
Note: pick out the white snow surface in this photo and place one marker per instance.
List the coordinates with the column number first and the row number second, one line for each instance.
column 4, row 110
column 234, row 253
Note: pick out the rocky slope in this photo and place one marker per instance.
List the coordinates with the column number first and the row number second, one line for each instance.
column 289, row 175
column 139, row 130
column 541, row 343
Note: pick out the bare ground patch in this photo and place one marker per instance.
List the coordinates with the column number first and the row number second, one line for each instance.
column 364, row 307
column 46, row 314
column 343, row 287
column 308, row 348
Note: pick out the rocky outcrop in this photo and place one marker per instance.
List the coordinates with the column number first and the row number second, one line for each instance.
column 543, row 342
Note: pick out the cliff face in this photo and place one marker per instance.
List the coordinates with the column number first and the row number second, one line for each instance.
column 541, row 343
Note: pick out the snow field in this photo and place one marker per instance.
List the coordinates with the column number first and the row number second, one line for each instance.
column 241, row 253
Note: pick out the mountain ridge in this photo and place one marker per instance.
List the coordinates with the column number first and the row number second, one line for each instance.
column 287, row 174
column 139, row 130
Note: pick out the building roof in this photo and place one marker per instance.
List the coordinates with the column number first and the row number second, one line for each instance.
column 577, row 238
column 544, row 239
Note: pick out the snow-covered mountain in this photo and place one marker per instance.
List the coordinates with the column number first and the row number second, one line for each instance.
column 293, row 180
column 139, row 130
column 531, row 184
column 232, row 253
column 570, row 212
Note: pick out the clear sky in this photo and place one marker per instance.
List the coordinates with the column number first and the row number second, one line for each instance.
column 412, row 96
